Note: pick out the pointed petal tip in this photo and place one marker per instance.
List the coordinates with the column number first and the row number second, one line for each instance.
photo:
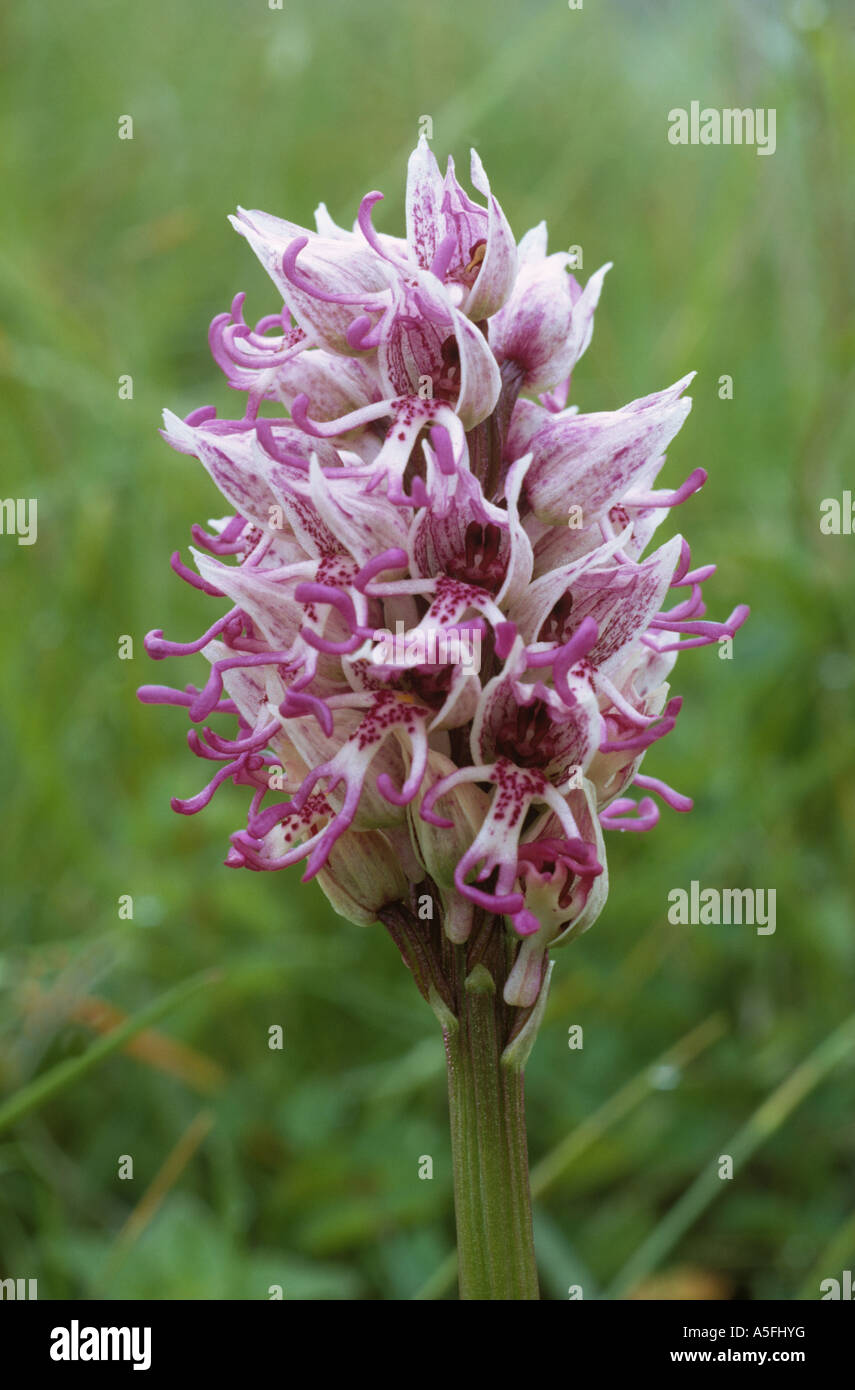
column 478, row 173
column 174, row 427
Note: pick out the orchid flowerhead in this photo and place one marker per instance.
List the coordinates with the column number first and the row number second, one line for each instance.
column 420, row 480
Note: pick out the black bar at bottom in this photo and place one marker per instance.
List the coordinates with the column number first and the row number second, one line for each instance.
column 79, row 1339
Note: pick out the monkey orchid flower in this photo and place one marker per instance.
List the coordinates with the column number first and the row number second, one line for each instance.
column 426, row 478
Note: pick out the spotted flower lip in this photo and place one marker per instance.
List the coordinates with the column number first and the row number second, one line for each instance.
column 420, row 478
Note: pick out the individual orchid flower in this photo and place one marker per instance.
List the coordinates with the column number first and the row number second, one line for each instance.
column 413, row 496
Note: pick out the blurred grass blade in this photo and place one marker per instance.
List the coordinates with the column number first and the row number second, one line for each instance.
column 164, row 1179
column 66, row 1074
column 550, row 1168
column 707, row 1186
column 839, row 1254
column 545, row 1173
column 558, row 1263
column 153, row 1048
column 439, row 1282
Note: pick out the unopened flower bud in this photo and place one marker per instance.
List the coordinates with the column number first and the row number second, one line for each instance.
column 440, row 848
column 363, row 875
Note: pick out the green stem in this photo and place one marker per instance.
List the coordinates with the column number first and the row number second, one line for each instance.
column 489, row 1148
column 486, row 1044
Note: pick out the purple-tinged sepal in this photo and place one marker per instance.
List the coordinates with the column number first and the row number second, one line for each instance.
column 590, row 462
column 547, row 323
column 326, row 283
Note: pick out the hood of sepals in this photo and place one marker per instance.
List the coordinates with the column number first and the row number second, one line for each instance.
column 548, row 320
column 428, row 339
column 468, row 246
column 420, row 490
column 592, row 461
column 331, row 270
column 469, row 538
column 521, row 719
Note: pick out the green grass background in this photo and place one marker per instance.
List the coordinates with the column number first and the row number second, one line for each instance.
column 115, row 255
